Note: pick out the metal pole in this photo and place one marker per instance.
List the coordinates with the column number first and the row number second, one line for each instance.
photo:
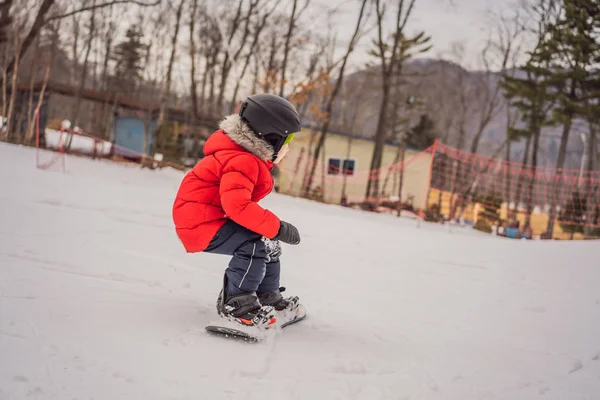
column 583, row 159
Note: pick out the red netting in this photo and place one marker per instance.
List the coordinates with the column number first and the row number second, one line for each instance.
column 46, row 159
column 457, row 185
column 535, row 199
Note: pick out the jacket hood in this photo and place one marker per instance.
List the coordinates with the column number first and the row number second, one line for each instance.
column 241, row 135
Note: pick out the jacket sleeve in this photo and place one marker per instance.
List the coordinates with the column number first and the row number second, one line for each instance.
column 239, row 177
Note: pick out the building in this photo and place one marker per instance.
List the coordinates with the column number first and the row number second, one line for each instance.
column 127, row 122
column 344, row 168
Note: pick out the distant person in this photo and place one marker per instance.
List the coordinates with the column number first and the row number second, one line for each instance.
column 216, row 210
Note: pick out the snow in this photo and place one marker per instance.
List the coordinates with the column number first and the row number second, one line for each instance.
column 98, row 300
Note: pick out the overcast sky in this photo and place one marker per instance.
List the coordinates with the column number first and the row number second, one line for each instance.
column 446, row 21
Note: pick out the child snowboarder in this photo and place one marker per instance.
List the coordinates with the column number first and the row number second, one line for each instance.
column 216, row 209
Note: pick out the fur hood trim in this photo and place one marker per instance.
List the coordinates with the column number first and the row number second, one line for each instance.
column 243, row 136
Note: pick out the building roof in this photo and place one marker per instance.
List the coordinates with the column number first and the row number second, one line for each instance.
column 173, row 113
column 358, row 137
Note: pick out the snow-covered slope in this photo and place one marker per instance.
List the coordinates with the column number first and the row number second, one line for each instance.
column 98, row 300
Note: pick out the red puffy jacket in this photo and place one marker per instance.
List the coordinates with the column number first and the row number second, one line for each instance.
column 226, row 184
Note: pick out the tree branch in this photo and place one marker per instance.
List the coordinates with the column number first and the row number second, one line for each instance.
column 102, row 5
column 380, row 44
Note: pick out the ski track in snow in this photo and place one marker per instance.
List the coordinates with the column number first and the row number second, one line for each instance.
column 98, row 300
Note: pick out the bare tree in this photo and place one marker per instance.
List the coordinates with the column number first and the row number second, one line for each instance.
column 258, row 29
column 13, row 93
column 42, row 18
column 388, row 56
column 193, row 83
column 231, row 57
column 333, row 96
column 498, row 54
column 109, row 31
column 288, row 38
column 271, row 68
column 167, row 84
column 54, row 29
column 83, row 76
column 76, row 27
column 211, row 50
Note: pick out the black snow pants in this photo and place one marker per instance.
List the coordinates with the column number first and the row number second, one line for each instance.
column 255, row 264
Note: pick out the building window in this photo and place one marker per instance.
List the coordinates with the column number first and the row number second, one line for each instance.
column 348, row 167
column 338, row 166
column 333, row 166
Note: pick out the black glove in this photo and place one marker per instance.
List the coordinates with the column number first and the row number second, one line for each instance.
column 288, row 233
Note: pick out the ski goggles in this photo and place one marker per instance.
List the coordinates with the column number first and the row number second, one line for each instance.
column 289, row 138
column 278, row 141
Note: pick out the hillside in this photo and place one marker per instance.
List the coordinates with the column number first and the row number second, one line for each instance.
column 98, row 300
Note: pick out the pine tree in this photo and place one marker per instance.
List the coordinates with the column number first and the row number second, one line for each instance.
column 129, row 56
column 533, row 94
column 575, row 48
column 533, row 98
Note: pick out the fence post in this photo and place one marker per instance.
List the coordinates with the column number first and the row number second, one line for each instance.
column 37, row 136
column 428, row 181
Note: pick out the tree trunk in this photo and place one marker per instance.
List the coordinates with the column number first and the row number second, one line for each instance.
column 507, row 182
column 309, row 153
column 31, row 128
column 105, row 109
column 4, row 102
column 270, row 72
column 230, row 59
column 333, row 96
column 562, row 153
column 205, row 76
column 29, row 108
column 247, row 62
column 343, row 196
column 75, row 52
column 256, row 74
column 211, row 96
column 13, row 92
column 388, row 66
column 534, row 162
column 401, row 181
column 193, row 83
column 253, row 46
column 392, row 171
column 372, row 191
column 108, row 38
column 323, row 166
column 522, row 172
column 164, row 98
column 286, row 48
column 38, row 23
column 81, row 86
column 591, row 166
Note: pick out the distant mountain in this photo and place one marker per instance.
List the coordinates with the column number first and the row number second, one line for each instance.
column 453, row 97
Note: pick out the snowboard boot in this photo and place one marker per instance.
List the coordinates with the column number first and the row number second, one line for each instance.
column 244, row 308
column 287, row 308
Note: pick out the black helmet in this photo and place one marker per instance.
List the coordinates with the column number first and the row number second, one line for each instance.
column 270, row 117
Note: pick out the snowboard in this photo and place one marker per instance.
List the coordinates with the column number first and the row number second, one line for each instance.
column 236, row 331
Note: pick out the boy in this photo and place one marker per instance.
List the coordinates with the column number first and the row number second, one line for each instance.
column 216, row 209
